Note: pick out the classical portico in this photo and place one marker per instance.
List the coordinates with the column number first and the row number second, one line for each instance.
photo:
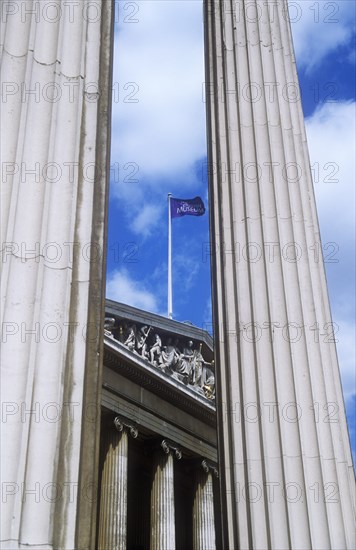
column 158, row 468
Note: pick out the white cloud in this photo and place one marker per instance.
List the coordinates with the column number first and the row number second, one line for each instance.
column 319, row 28
column 158, row 110
column 186, row 270
column 122, row 288
column 346, row 353
column 331, row 136
column 146, row 219
column 164, row 132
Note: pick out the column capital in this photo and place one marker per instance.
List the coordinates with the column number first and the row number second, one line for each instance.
column 121, row 423
column 167, row 446
column 209, row 466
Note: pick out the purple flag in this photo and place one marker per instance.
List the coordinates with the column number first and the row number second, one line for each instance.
column 187, row 207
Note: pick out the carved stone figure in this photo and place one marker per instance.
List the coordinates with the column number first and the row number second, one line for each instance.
column 199, row 374
column 121, row 334
column 184, row 362
column 109, row 326
column 196, row 372
column 209, row 386
column 169, row 355
column 130, row 341
column 142, row 341
column 156, row 350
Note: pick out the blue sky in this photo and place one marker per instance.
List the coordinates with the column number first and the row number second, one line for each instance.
column 159, row 146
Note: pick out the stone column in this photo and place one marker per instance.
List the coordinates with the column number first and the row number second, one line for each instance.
column 286, row 466
column 203, row 508
column 55, row 74
column 113, row 496
column 162, row 498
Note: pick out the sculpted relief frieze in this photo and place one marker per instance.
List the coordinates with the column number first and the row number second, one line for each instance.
column 179, row 358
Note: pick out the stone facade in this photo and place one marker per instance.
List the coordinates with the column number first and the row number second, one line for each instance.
column 158, row 444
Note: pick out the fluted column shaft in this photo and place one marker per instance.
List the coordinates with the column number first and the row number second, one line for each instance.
column 270, row 296
column 55, row 74
column 162, row 502
column 113, row 499
column 203, row 512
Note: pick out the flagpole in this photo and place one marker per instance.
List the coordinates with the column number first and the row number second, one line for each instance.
column 170, row 307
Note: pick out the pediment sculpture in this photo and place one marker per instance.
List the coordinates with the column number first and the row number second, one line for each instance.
column 181, row 359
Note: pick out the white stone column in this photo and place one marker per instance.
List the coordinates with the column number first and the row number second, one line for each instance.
column 203, row 508
column 285, row 464
column 55, row 113
column 163, row 535
column 114, row 489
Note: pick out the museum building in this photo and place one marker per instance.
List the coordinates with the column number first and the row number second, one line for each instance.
column 158, row 474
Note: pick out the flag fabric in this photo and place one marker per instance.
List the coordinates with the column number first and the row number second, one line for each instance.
column 187, row 207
